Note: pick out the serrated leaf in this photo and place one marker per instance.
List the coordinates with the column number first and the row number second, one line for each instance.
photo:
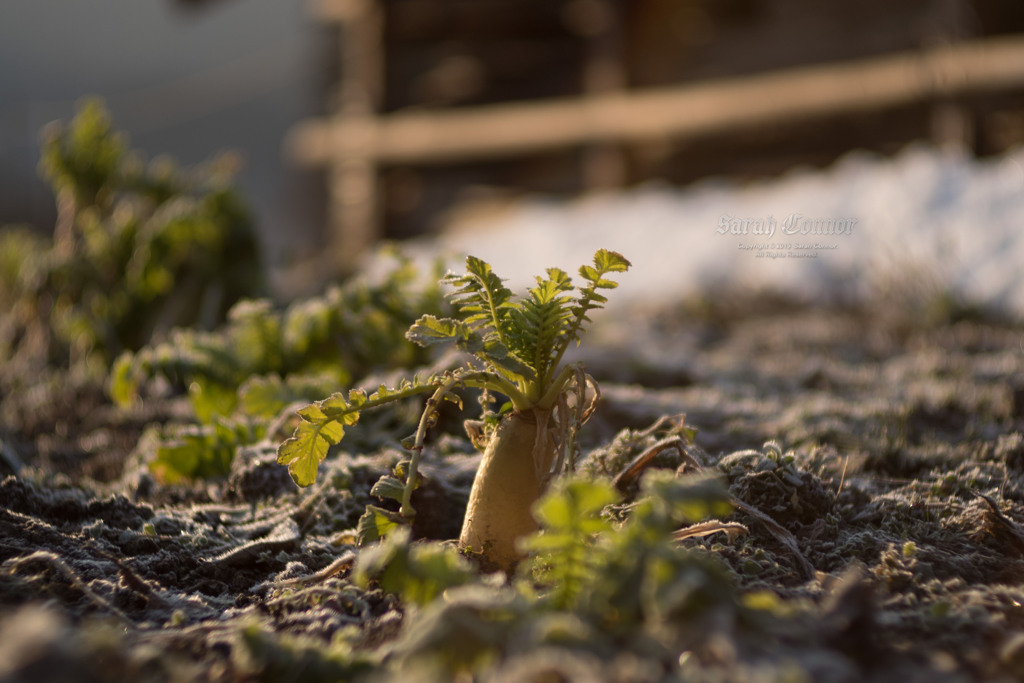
column 356, row 398
column 498, row 355
column 430, row 330
column 307, row 448
column 564, row 551
column 488, row 280
column 479, row 295
column 333, row 404
column 382, row 392
column 473, row 344
column 609, row 261
column 560, row 278
column 605, row 261
column 335, row 407
column 313, row 413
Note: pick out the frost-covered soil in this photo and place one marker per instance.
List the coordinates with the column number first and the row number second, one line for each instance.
column 905, row 494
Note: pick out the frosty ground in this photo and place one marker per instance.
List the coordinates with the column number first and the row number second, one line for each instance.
column 893, row 398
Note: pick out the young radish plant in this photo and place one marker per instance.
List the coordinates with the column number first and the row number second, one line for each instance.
column 516, row 346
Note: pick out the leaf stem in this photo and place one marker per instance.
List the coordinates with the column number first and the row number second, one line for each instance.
column 493, row 310
column 557, row 386
column 477, row 380
column 495, row 382
column 576, row 326
column 336, row 413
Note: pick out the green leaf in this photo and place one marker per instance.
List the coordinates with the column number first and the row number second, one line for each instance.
column 377, row 523
column 124, row 383
column 430, row 330
column 382, row 393
column 588, row 299
column 417, row 572
column 305, row 450
column 568, row 506
column 257, row 333
column 264, row 396
column 498, row 355
column 451, row 397
column 563, row 557
column 388, row 487
column 559, row 279
column 487, row 281
column 336, row 407
column 480, row 295
column 401, row 471
column 608, row 261
column 198, row 451
column 210, row 399
column 314, row 412
column 177, row 461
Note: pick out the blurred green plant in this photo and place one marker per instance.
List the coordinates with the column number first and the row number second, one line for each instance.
column 186, row 452
column 593, row 586
column 264, row 360
column 138, row 249
column 417, row 572
column 263, row 655
column 620, row 574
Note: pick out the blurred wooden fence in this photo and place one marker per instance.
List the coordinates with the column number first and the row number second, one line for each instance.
column 366, row 134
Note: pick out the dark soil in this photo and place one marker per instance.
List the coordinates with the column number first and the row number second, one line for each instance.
column 897, row 466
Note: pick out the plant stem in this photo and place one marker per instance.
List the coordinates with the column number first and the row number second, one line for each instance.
column 557, row 386
column 575, row 328
column 495, row 382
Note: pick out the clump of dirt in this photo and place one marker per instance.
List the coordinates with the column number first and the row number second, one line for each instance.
column 886, row 454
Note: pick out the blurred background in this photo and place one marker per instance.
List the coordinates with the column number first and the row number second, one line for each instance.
column 364, row 120
column 185, row 79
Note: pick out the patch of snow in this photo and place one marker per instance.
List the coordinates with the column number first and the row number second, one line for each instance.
column 944, row 215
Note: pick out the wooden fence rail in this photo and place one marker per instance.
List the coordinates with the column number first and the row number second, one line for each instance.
column 680, row 111
column 354, row 142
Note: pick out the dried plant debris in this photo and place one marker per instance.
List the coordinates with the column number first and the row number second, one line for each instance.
column 843, row 501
